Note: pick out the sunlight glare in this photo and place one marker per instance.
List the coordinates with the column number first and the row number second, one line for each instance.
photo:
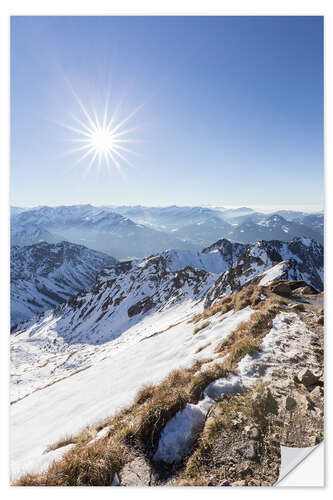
column 102, row 139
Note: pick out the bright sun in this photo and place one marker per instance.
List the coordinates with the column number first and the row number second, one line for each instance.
column 103, row 139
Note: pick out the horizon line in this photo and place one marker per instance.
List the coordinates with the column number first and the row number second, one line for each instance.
column 310, row 207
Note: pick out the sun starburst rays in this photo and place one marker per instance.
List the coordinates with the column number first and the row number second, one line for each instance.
column 102, row 139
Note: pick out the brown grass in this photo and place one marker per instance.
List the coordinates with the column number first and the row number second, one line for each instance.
column 201, row 348
column 223, row 306
column 247, row 335
column 241, row 348
column 203, row 378
column 201, row 327
column 60, row 444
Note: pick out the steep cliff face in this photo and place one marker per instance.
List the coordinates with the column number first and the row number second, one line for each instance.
column 44, row 275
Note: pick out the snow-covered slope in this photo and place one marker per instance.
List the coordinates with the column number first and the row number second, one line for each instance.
column 216, row 258
column 109, row 378
column 44, row 275
column 304, row 259
column 88, row 357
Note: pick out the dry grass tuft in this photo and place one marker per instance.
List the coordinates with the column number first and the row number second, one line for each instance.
column 84, row 437
column 92, row 465
column 201, row 327
column 144, row 394
column 248, row 296
column 60, row 444
column 223, row 306
column 241, row 348
column 247, row 336
column 203, row 378
column 201, row 348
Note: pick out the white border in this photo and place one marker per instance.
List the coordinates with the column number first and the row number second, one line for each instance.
column 136, row 7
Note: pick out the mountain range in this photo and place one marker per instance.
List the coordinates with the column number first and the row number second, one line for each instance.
column 127, row 232
column 125, row 292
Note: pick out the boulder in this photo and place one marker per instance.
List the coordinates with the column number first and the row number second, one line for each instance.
column 307, row 377
column 290, row 403
column 321, row 319
column 252, row 432
column 282, row 289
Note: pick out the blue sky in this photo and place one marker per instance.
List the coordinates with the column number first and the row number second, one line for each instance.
column 232, row 109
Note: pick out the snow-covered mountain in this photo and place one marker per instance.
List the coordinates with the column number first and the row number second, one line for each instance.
column 300, row 259
column 135, row 232
column 101, row 229
column 272, row 227
column 124, row 292
column 203, row 233
column 216, row 258
column 44, row 275
column 167, row 218
column 315, row 221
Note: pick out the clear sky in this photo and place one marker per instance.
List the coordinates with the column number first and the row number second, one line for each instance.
column 232, row 109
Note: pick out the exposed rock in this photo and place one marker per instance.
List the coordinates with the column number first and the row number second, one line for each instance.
column 307, row 377
column 282, row 289
column 225, row 483
column 317, row 392
column 252, row 432
column 244, row 470
column 321, row 319
column 290, row 403
column 135, row 473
